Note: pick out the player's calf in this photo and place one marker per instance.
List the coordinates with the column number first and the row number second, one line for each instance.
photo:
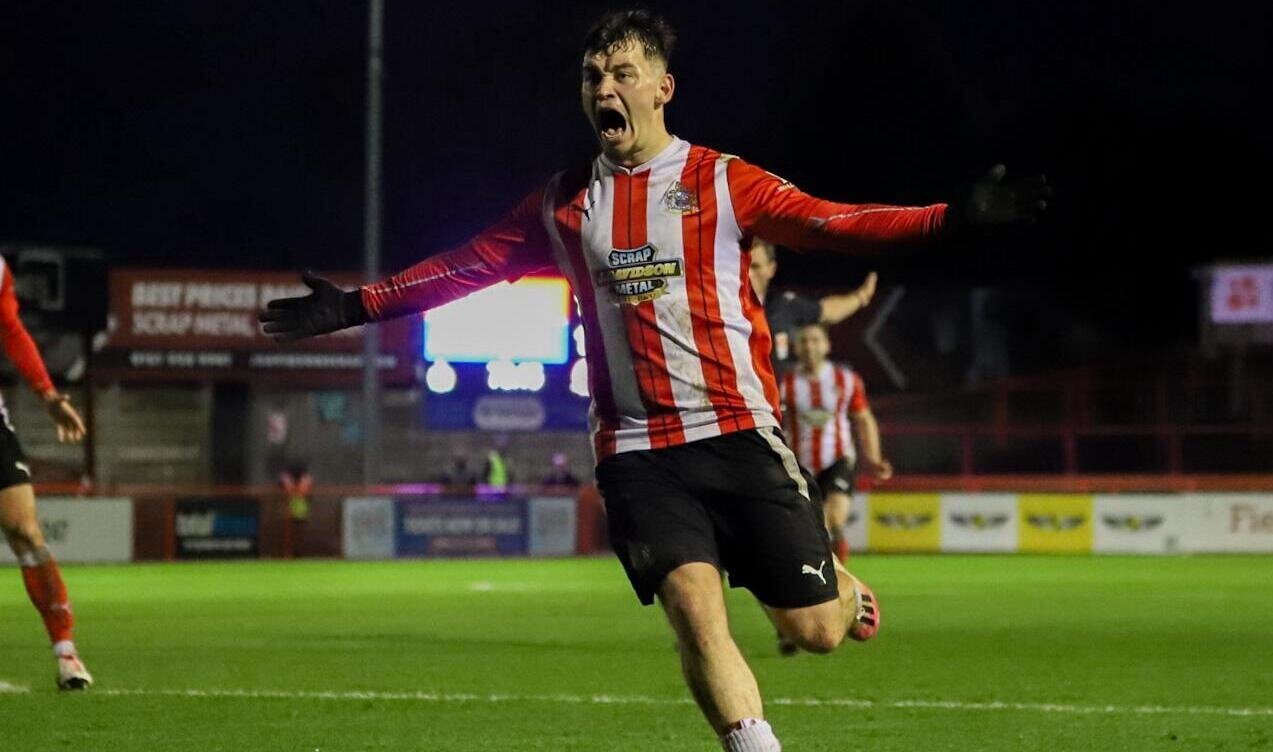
column 815, row 629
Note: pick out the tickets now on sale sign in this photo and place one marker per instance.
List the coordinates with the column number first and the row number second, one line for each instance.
column 457, row 526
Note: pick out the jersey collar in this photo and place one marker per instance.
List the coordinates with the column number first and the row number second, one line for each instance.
column 669, row 152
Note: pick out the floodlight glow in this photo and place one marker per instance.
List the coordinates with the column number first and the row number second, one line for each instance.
column 579, row 378
column 528, row 321
column 580, row 348
column 440, row 378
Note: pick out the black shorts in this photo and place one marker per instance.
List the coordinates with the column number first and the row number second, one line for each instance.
column 836, row 478
column 739, row 502
column 14, row 470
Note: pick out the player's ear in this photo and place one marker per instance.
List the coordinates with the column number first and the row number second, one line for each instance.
column 666, row 88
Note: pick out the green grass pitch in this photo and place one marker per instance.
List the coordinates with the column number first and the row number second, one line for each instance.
column 976, row 653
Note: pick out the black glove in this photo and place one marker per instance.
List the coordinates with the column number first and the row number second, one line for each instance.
column 326, row 309
column 990, row 201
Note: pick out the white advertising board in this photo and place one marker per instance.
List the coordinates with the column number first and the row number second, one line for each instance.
column 553, row 526
column 1242, row 294
column 1230, row 523
column 84, row 529
column 368, row 528
column 855, row 528
column 1143, row 523
column 979, row 523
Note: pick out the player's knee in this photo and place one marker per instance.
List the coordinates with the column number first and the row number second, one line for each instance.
column 691, row 588
column 692, row 600
column 25, row 535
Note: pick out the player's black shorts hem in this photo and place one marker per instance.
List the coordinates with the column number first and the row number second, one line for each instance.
column 14, row 469
column 836, row 478
column 739, row 502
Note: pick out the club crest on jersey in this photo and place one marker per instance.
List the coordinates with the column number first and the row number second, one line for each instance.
column 636, row 275
column 680, row 200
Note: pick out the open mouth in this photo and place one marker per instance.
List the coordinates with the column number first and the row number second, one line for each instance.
column 611, row 124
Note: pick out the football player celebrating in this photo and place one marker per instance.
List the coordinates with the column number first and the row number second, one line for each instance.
column 652, row 235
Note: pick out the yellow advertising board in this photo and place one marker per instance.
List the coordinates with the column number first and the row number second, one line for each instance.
column 1055, row 523
column 904, row 522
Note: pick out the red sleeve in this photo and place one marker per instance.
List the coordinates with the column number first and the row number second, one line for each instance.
column 857, row 403
column 769, row 207
column 18, row 344
column 511, row 248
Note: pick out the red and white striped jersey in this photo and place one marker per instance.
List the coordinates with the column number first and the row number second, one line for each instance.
column 17, row 341
column 817, row 412
column 677, row 342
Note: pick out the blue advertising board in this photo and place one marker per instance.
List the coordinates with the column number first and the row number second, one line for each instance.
column 472, row 404
column 460, row 526
column 217, row 528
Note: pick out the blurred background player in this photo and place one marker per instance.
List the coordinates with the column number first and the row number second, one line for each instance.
column 17, row 497
column 826, row 412
column 787, row 311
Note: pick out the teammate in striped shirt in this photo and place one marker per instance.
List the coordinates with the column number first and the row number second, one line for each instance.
column 652, row 236
column 826, row 413
column 18, row 518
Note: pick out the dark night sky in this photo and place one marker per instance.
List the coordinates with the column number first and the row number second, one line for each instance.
column 229, row 133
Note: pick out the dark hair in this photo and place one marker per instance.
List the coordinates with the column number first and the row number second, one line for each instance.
column 645, row 27
column 826, row 330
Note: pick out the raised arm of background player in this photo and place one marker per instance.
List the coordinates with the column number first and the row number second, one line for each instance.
column 836, row 308
column 764, row 205
column 22, row 351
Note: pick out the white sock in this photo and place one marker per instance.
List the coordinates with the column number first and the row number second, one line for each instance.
column 752, row 735
column 65, row 647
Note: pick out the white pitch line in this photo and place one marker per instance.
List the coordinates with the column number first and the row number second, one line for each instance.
column 12, row 689
column 812, row 702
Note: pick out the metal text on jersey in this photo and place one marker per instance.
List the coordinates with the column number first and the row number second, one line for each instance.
column 635, row 275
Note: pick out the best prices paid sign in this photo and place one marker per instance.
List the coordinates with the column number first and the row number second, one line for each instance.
column 193, row 322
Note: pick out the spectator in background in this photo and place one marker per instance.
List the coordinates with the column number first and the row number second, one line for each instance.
column 495, row 472
column 559, row 474
column 788, row 311
column 297, row 482
column 459, row 474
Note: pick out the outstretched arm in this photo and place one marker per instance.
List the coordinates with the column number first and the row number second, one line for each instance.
column 22, row 351
column 513, row 247
column 770, row 207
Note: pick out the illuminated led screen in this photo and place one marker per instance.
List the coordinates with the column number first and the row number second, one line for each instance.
column 527, row 321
